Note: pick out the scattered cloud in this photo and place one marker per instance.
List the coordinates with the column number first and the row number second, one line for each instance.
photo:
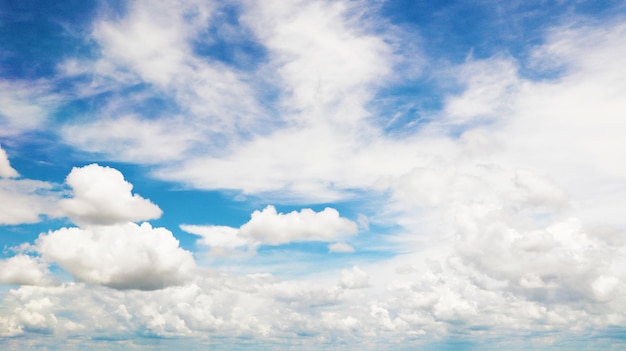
column 273, row 228
column 101, row 196
column 268, row 227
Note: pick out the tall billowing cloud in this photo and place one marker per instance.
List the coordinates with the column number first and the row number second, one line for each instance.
column 124, row 256
column 101, row 196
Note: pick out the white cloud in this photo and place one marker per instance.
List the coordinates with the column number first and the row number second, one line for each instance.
column 515, row 225
column 221, row 239
column 268, row 227
column 212, row 102
column 326, row 60
column 490, row 86
column 102, row 196
column 25, row 200
column 124, row 256
column 24, row 105
column 132, row 139
column 6, row 170
column 354, row 279
column 340, row 248
column 24, row 270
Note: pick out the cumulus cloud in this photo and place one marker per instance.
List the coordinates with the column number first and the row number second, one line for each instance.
column 101, row 196
column 271, row 227
column 123, row 256
column 24, row 270
column 268, row 227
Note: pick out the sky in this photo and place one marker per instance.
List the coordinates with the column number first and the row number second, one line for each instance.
column 312, row 175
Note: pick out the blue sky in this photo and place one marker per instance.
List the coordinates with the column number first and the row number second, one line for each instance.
column 342, row 175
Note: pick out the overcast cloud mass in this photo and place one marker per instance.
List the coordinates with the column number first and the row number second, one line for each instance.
column 312, row 175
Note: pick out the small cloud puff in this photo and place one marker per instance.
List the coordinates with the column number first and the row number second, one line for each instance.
column 6, row 171
column 103, row 197
column 268, row 227
column 125, row 256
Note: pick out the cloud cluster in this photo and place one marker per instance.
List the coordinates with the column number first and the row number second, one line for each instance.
column 108, row 248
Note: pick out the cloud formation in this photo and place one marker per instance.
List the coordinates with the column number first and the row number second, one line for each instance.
column 496, row 214
column 268, row 227
column 101, row 196
column 122, row 256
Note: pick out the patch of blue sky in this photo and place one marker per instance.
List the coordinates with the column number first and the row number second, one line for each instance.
column 40, row 155
column 35, row 36
column 227, row 41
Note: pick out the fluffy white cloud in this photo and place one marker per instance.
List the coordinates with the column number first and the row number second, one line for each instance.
column 102, row 196
column 124, row 256
column 24, row 270
column 6, row 170
column 268, row 227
